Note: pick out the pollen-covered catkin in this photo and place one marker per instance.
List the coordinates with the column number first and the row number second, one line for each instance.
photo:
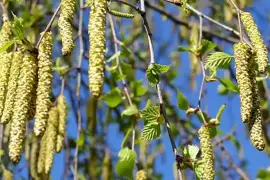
column 44, row 86
column 96, row 31
column 6, row 32
column 33, row 158
column 257, row 41
column 22, row 105
column 64, row 24
column 255, row 123
column 12, row 86
column 242, row 55
column 63, row 111
column 42, row 154
column 51, row 141
column 141, row 175
column 207, row 153
column 5, row 64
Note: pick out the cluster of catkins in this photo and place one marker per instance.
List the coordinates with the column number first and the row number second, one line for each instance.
column 25, row 89
column 246, row 60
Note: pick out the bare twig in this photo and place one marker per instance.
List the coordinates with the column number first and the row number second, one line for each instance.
column 49, row 25
column 5, row 14
column 78, row 89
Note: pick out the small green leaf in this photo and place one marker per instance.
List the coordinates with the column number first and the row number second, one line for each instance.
column 7, row 45
column 213, row 132
column 151, row 114
column 131, row 110
column 150, row 131
column 206, row 46
column 218, row 60
column 191, row 152
column 113, row 98
column 182, row 101
column 153, row 71
column 184, row 49
column 229, row 85
column 220, row 112
column 162, row 68
column 138, row 88
column 263, row 174
column 222, row 90
column 199, row 169
column 18, row 29
column 126, row 162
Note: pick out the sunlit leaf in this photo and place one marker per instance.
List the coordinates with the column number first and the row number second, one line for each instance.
column 126, row 162
column 182, row 101
column 113, row 98
column 131, row 110
column 218, row 60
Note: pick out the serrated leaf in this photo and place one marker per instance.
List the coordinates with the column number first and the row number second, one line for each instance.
column 206, row 46
column 182, row 101
column 131, row 110
column 153, row 71
column 150, row 131
column 184, row 49
column 218, row 60
column 229, row 85
column 113, row 98
column 162, row 68
column 126, row 162
column 18, row 29
column 199, row 169
column 150, row 114
column 191, row 152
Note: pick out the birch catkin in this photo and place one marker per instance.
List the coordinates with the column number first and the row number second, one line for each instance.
column 64, row 24
column 63, row 111
column 257, row 41
column 34, row 158
column 44, row 86
column 42, row 154
column 21, row 106
column 96, row 31
column 141, row 175
column 6, row 32
column 12, row 86
column 5, row 64
column 51, row 140
column 255, row 123
column 207, row 153
column 242, row 55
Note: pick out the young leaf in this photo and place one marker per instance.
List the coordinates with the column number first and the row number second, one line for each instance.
column 206, row 46
column 220, row 111
column 131, row 110
column 18, row 29
column 182, row 101
column 229, row 85
column 150, row 131
column 153, row 71
column 191, row 152
column 218, row 60
column 7, row 45
column 113, row 98
column 138, row 88
column 126, row 162
column 199, row 169
column 150, row 114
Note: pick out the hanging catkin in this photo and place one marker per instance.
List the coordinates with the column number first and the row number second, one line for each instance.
column 107, row 166
column 64, row 24
column 96, row 31
column 207, row 153
column 6, row 32
column 5, row 64
column 141, row 175
column 255, row 123
column 44, row 86
column 21, row 105
column 242, row 54
column 63, row 111
column 42, row 154
column 12, row 86
column 51, row 140
column 34, row 158
column 257, row 41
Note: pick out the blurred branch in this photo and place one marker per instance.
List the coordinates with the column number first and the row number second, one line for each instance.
column 4, row 10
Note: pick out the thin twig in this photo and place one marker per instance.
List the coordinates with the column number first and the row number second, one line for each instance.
column 5, row 14
column 49, row 25
column 78, row 89
column 178, row 158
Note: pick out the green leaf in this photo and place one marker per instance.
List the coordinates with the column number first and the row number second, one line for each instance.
column 131, row 110
column 213, row 132
column 113, row 98
column 138, row 88
column 184, row 49
column 218, row 60
column 162, row 68
column 222, row 90
column 263, row 174
column 191, row 152
column 153, row 71
column 113, row 57
column 182, row 101
column 7, row 45
column 18, row 29
column 206, row 46
column 151, row 114
column 229, row 85
column 220, row 112
column 126, row 162
column 199, row 169
column 150, row 131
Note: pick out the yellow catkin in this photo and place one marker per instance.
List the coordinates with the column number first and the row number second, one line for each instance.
column 42, row 154
column 107, row 166
column 207, row 153
column 257, row 41
column 242, row 54
column 51, row 141
column 64, row 24
column 7, row 175
column 96, row 31
column 44, row 86
column 12, row 86
column 141, row 175
column 63, row 111
column 5, row 64
column 6, row 32
column 21, row 106
column 255, row 123
column 34, row 158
